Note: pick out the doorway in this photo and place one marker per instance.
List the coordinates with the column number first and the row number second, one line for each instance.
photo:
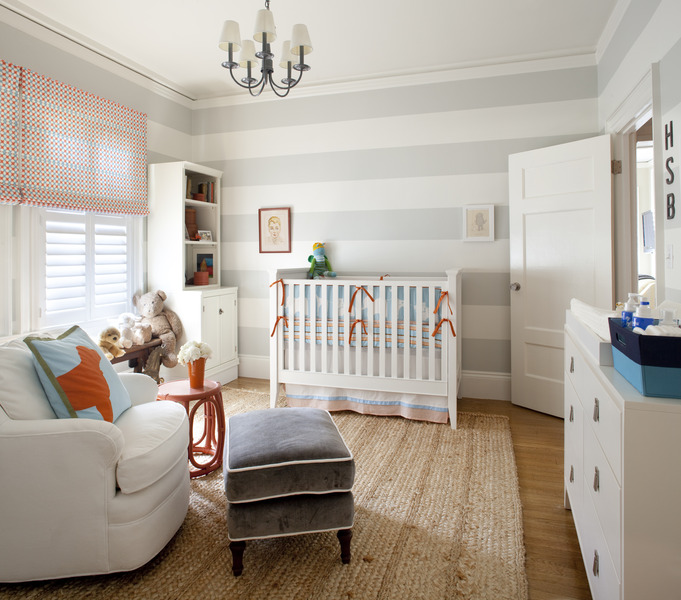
column 645, row 213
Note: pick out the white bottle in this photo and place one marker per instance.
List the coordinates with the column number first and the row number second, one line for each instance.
column 628, row 313
column 643, row 315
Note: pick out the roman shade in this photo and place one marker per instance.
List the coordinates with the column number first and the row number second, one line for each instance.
column 70, row 149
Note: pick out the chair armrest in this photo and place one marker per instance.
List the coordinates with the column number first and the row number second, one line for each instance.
column 58, row 478
column 141, row 388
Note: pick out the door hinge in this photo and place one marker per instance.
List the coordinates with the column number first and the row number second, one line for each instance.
column 616, row 167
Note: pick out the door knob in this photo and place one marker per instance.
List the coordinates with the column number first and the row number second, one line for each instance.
column 515, row 286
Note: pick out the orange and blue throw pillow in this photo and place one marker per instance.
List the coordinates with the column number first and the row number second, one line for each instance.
column 77, row 378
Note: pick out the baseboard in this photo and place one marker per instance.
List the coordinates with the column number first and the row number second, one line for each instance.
column 474, row 384
column 485, row 385
column 257, row 367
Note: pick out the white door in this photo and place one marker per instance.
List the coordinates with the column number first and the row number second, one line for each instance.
column 560, row 211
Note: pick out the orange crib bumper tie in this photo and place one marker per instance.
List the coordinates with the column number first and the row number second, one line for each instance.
column 443, row 295
column 279, row 318
column 357, row 289
column 440, row 325
column 283, row 290
column 352, row 328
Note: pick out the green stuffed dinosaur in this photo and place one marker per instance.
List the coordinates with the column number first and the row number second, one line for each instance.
column 320, row 266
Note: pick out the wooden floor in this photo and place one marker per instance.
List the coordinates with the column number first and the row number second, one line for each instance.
column 554, row 563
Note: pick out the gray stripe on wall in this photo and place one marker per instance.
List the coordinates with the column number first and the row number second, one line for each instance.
column 24, row 50
column 485, row 289
column 251, row 283
column 506, row 90
column 254, row 341
column 476, row 355
column 383, row 163
column 670, row 79
column 410, row 224
column 486, row 355
column 634, row 21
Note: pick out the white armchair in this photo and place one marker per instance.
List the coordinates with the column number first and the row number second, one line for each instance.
column 82, row 496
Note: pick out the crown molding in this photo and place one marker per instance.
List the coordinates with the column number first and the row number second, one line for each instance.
column 512, row 66
column 611, row 27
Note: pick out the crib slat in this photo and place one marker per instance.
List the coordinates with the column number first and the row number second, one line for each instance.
column 432, row 302
column 382, row 317
column 324, row 323
column 393, row 333
column 370, row 331
column 346, row 330
column 406, row 328
column 418, row 337
column 291, row 306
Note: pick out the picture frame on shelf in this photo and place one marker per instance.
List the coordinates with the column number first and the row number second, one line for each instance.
column 201, row 256
column 205, row 235
column 478, row 223
column 274, row 229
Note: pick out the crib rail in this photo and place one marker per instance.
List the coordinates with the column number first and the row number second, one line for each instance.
column 390, row 334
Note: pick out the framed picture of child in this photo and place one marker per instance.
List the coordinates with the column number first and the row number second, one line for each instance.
column 274, row 229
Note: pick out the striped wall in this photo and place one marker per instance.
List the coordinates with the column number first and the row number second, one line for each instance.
column 382, row 177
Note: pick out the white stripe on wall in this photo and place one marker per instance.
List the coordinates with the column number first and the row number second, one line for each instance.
column 477, row 125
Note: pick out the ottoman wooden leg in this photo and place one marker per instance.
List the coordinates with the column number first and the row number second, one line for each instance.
column 344, row 537
column 237, row 549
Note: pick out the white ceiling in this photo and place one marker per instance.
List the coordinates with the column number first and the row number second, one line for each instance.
column 175, row 41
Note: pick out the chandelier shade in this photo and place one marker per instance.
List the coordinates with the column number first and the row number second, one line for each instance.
column 262, row 58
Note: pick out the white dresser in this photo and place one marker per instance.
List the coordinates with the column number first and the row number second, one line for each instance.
column 622, row 477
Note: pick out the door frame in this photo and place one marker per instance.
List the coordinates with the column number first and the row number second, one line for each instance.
column 622, row 124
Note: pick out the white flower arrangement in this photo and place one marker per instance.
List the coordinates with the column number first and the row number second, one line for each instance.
column 192, row 351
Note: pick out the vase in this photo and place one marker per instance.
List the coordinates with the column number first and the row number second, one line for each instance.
column 196, row 369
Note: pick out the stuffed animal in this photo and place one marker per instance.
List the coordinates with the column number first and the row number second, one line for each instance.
column 320, row 266
column 133, row 331
column 165, row 324
column 108, row 342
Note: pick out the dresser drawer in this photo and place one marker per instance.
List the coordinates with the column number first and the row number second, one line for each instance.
column 574, row 447
column 605, row 494
column 604, row 418
column 576, row 367
column 600, row 569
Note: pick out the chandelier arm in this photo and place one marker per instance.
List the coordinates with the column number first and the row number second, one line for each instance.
column 288, row 87
column 261, row 84
column 246, row 87
column 274, row 87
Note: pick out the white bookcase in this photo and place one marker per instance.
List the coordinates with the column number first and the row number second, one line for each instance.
column 208, row 312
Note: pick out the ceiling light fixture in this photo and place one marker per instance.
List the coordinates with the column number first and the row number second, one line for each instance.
column 292, row 55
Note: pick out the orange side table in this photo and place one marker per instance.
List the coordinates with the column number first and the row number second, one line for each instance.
column 212, row 439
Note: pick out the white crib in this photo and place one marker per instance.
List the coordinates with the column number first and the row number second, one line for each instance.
column 377, row 345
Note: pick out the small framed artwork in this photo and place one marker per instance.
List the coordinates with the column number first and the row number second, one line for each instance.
column 205, row 235
column 274, row 229
column 478, row 223
column 203, row 260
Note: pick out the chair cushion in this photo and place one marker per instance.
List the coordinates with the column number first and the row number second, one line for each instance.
column 282, row 452
column 156, row 434
column 78, row 379
column 21, row 394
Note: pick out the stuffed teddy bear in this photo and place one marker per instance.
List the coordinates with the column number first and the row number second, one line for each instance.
column 165, row 324
column 108, row 342
column 133, row 331
column 320, row 266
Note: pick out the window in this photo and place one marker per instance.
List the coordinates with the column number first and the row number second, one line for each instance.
column 90, row 267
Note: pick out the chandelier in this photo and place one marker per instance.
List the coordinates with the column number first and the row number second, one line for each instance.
column 292, row 54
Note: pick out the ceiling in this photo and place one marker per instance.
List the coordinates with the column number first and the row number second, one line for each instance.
column 175, row 41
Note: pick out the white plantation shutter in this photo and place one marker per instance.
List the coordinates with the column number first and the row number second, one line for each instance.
column 88, row 267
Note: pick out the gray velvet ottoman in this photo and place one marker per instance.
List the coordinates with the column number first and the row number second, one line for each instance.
column 287, row 471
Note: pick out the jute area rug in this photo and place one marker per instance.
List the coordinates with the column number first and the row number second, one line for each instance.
column 438, row 515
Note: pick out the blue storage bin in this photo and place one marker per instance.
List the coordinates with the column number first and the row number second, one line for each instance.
column 652, row 364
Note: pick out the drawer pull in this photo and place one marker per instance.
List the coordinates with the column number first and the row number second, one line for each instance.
column 597, row 412
column 572, row 413
column 572, row 474
column 572, row 364
column 596, row 568
column 597, row 480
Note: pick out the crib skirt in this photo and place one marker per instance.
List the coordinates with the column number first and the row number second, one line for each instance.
column 418, row 407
